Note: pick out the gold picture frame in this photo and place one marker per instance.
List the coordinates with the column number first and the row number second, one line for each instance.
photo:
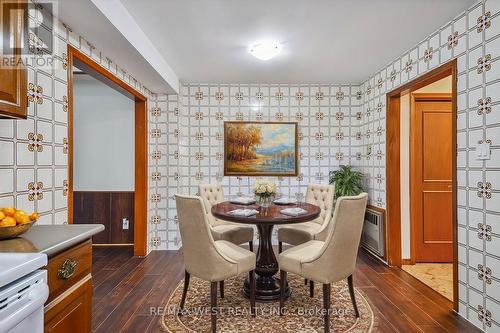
column 255, row 148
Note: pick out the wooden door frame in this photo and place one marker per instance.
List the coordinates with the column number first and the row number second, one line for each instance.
column 140, row 146
column 393, row 142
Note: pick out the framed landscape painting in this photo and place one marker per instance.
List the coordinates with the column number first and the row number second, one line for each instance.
column 260, row 148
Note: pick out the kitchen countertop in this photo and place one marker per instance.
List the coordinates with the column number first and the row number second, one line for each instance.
column 50, row 239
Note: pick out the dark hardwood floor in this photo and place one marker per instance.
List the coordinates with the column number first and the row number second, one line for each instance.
column 126, row 287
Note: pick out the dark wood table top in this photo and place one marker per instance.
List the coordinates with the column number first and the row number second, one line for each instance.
column 270, row 215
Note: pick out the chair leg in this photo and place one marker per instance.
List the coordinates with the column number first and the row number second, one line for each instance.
column 251, row 280
column 311, row 288
column 250, row 245
column 305, row 282
column 280, row 247
column 353, row 298
column 326, row 306
column 282, row 291
column 213, row 306
column 184, row 293
column 221, row 286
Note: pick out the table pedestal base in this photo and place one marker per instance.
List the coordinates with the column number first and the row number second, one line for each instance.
column 267, row 289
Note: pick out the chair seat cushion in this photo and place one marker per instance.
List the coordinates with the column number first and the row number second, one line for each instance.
column 244, row 259
column 233, row 233
column 298, row 233
column 291, row 260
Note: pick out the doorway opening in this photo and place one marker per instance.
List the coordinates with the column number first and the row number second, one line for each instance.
column 123, row 211
column 421, row 180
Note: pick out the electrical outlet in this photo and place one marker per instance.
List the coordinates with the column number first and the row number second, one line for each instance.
column 125, row 224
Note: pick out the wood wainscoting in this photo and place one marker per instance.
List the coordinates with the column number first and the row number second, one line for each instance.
column 109, row 209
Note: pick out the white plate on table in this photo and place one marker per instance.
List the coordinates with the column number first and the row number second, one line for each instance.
column 285, row 201
column 242, row 201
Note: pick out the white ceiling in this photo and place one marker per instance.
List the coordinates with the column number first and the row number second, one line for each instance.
column 324, row 41
column 84, row 18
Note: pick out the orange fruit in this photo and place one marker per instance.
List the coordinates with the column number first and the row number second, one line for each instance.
column 9, row 211
column 19, row 215
column 8, row 221
column 2, row 216
column 23, row 219
column 34, row 216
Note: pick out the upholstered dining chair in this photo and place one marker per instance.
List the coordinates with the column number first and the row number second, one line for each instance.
column 212, row 194
column 209, row 260
column 319, row 195
column 333, row 259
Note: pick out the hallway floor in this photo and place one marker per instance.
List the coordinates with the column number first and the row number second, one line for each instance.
column 438, row 276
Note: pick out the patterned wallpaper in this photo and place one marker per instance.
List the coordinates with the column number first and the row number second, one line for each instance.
column 190, row 133
column 337, row 130
column 329, row 135
column 473, row 37
column 327, row 129
column 34, row 152
column 164, row 179
column 337, row 125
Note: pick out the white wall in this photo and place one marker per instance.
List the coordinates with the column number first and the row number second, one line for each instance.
column 103, row 128
column 441, row 86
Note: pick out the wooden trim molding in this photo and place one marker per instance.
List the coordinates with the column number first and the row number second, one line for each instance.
column 141, row 179
column 431, row 97
column 82, row 61
column 393, row 207
column 375, row 208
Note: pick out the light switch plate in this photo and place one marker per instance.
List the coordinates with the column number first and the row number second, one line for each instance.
column 483, row 151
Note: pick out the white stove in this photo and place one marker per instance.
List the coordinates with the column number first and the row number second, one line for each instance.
column 23, row 291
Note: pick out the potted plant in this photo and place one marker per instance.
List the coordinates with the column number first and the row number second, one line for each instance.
column 348, row 182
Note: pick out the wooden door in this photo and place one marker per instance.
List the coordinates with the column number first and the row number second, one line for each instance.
column 13, row 74
column 431, row 173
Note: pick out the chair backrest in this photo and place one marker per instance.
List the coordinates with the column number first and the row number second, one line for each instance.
column 211, row 194
column 321, row 195
column 198, row 246
column 338, row 258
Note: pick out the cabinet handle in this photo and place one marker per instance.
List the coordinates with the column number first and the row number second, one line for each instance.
column 67, row 269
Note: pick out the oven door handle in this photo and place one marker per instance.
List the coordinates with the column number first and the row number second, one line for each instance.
column 36, row 298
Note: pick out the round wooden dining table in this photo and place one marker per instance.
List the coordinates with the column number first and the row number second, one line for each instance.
column 267, row 287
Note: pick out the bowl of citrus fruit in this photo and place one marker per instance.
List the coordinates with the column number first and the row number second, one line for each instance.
column 15, row 222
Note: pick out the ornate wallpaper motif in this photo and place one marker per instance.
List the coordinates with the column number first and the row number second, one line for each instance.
column 473, row 37
column 338, row 124
column 191, row 127
column 34, row 152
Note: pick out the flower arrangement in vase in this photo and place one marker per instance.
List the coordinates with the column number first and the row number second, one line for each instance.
column 264, row 191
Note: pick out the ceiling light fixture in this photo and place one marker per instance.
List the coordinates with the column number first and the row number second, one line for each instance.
column 265, row 50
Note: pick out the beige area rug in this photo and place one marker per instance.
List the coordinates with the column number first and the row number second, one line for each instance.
column 234, row 310
column 437, row 276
